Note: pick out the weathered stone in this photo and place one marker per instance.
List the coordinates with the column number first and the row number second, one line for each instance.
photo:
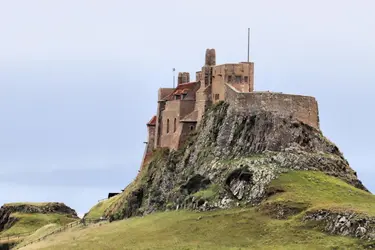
column 344, row 223
column 240, row 154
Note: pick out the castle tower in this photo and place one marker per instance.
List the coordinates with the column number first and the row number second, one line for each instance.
column 203, row 97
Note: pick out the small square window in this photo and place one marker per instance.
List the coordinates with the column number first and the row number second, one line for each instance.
column 229, row 78
column 217, row 96
column 238, row 79
column 246, row 79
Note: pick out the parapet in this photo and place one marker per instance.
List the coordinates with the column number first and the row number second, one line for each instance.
column 302, row 108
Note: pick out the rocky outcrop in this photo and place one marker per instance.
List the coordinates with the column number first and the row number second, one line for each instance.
column 230, row 161
column 6, row 220
column 343, row 223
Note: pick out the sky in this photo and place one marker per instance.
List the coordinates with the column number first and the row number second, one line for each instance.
column 79, row 81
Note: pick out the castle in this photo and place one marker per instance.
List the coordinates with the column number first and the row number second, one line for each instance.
column 180, row 110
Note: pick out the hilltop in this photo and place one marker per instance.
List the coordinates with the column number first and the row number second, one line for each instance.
column 282, row 221
column 18, row 220
column 241, row 181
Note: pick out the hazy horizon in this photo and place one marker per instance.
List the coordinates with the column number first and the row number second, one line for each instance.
column 79, row 81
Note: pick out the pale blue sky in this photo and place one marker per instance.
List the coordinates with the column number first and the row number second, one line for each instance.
column 79, row 80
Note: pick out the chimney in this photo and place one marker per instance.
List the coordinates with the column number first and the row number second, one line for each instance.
column 210, row 57
column 183, row 77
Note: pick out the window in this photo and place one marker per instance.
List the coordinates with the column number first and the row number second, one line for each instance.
column 167, row 126
column 238, row 79
column 177, row 97
column 246, row 79
column 184, row 96
column 229, row 78
column 191, row 128
column 217, row 96
column 175, row 125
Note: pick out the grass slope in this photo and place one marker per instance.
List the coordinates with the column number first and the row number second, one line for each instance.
column 29, row 223
column 98, row 210
column 241, row 228
column 319, row 190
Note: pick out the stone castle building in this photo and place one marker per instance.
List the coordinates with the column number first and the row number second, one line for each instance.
column 180, row 109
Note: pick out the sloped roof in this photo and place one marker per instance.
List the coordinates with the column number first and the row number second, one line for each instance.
column 183, row 88
column 152, row 122
column 192, row 117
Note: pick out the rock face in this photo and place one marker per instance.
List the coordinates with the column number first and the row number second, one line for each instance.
column 6, row 220
column 230, row 161
column 344, row 223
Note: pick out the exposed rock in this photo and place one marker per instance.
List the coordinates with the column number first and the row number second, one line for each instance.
column 344, row 223
column 239, row 153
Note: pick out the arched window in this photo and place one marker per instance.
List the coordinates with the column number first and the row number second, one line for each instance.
column 175, row 125
column 167, row 126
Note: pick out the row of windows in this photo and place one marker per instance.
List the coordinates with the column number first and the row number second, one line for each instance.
column 174, row 125
column 238, row 79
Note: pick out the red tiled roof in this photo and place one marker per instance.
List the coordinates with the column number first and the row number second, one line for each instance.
column 152, row 122
column 183, row 88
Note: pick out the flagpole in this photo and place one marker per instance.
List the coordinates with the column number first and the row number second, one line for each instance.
column 248, row 45
column 174, row 77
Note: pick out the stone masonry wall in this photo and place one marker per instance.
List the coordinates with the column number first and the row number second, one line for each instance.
column 302, row 108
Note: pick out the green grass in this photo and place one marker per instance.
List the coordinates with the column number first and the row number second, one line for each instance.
column 322, row 191
column 98, row 210
column 208, row 194
column 29, row 223
column 241, row 228
column 231, row 229
column 45, row 230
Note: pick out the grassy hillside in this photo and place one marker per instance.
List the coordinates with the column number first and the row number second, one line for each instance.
column 98, row 210
column 318, row 191
column 29, row 223
column 240, row 228
column 19, row 220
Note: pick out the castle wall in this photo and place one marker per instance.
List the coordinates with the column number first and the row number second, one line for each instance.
column 186, row 129
column 203, row 101
column 162, row 93
column 302, row 108
column 173, row 112
column 151, row 139
column 240, row 76
column 150, row 143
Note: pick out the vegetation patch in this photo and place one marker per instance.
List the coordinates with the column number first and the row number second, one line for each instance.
column 29, row 223
column 209, row 194
column 282, row 210
column 99, row 209
column 322, row 192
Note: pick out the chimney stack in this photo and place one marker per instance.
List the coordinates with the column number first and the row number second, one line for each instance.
column 183, row 77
